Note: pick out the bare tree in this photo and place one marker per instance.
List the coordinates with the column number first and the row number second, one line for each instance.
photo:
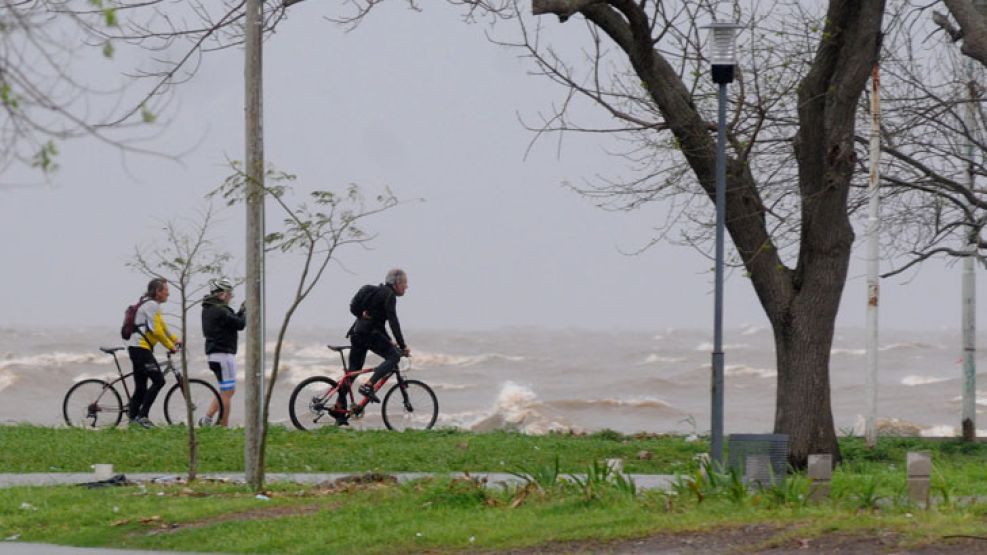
column 316, row 231
column 187, row 258
column 46, row 96
column 790, row 165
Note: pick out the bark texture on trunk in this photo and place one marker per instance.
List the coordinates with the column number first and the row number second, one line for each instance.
column 801, row 302
column 828, row 98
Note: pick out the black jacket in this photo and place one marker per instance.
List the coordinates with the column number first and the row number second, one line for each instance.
column 380, row 301
column 220, row 325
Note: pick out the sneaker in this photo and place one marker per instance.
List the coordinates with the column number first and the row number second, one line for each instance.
column 205, row 421
column 141, row 422
column 368, row 391
column 340, row 415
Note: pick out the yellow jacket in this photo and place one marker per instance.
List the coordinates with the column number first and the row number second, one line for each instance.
column 151, row 328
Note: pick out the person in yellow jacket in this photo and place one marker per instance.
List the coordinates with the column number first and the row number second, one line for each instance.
column 151, row 330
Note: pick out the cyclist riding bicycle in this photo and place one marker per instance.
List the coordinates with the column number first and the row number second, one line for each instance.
column 373, row 306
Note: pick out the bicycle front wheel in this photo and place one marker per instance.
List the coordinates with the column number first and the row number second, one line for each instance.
column 201, row 396
column 310, row 402
column 92, row 404
column 412, row 407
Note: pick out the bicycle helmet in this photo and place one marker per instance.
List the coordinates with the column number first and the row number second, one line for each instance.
column 220, row 284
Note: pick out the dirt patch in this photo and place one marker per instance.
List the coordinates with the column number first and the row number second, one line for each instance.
column 259, row 514
column 358, row 480
column 762, row 540
column 726, row 540
column 329, row 488
column 264, row 513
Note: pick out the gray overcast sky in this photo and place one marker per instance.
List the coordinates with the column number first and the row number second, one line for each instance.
column 424, row 104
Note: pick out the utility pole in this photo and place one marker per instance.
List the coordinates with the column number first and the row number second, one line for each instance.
column 254, row 172
column 969, row 279
column 873, row 228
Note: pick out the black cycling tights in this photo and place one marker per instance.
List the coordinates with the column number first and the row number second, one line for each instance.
column 145, row 368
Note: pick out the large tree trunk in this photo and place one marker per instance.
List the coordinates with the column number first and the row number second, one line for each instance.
column 800, row 302
column 802, row 405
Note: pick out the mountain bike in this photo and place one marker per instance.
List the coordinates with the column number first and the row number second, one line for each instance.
column 408, row 405
column 97, row 404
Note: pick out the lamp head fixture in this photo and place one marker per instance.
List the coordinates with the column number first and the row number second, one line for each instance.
column 723, row 50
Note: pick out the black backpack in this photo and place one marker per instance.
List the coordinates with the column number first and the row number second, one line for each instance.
column 361, row 301
column 129, row 316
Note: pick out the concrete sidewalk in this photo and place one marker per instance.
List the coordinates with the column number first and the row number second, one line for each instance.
column 493, row 479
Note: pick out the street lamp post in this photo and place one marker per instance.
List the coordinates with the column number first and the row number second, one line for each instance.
column 969, row 278
column 723, row 37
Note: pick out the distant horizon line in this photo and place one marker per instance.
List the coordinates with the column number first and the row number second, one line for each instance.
column 746, row 329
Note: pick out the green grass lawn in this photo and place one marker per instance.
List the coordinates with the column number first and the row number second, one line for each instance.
column 40, row 449
column 449, row 515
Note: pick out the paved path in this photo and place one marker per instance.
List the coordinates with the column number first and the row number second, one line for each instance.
column 494, row 479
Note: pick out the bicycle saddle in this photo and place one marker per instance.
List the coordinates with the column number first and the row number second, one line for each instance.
column 111, row 350
column 338, row 348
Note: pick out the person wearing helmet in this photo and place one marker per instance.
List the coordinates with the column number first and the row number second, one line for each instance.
column 220, row 326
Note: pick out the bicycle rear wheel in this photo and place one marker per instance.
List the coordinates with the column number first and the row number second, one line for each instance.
column 202, row 395
column 310, row 402
column 414, row 408
column 92, row 404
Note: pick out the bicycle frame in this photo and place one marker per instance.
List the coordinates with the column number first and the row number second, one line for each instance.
column 348, row 380
column 122, row 379
column 166, row 368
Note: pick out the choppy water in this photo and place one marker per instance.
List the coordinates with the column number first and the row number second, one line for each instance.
column 537, row 380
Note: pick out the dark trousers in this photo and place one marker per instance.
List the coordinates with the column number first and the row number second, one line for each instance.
column 380, row 345
column 145, row 368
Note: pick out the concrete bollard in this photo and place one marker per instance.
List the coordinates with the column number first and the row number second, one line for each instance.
column 919, row 464
column 820, row 472
column 102, row 471
column 703, row 460
column 615, row 465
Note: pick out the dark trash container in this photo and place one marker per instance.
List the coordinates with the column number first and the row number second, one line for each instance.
column 762, row 459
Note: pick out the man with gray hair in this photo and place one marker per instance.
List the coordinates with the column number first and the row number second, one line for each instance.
column 373, row 306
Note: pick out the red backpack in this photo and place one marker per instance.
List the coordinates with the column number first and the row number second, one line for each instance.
column 129, row 316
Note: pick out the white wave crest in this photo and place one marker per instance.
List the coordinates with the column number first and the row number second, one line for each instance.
column 655, row 357
column 451, row 386
column 707, row 346
column 516, row 408
column 904, row 346
column 642, row 402
column 891, row 347
column 105, row 376
column 6, row 380
column 316, row 351
column 56, row 359
column 752, row 330
column 425, row 359
column 853, row 352
column 981, row 399
column 921, row 380
column 738, row 370
column 945, row 430
column 942, row 430
column 888, row 427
